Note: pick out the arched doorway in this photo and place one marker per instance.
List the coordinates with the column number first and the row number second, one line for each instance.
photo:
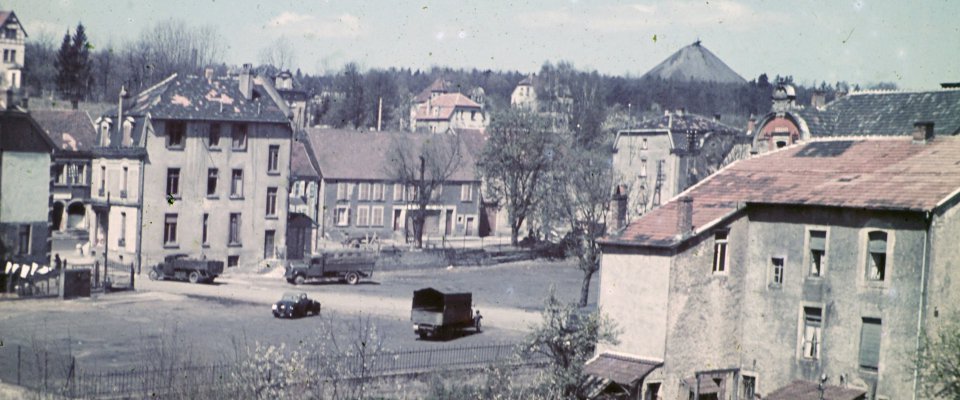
column 76, row 216
column 57, row 215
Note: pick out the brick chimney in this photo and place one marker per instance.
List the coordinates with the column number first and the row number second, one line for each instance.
column 685, row 216
column 922, row 132
column 246, row 81
column 618, row 205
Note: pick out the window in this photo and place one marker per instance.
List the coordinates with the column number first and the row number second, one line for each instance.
column 272, row 202
column 213, row 136
column 776, row 277
column 234, row 239
column 411, row 192
column 341, row 216
column 466, row 192
column 364, row 192
column 233, row 261
column 23, row 246
column 239, row 136
column 363, row 216
column 653, row 391
column 870, row 344
column 812, row 340
column 748, row 388
column 203, row 232
column 877, row 256
column 376, row 216
column 173, row 182
column 9, row 33
column 817, row 243
column 720, row 252
column 122, row 240
column 269, row 247
column 342, row 191
column 103, row 180
column 236, row 183
column 643, row 144
column 643, row 168
column 123, row 184
column 176, row 130
column 170, row 230
column 273, row 159
column 213, row 175
column 397, row 192
column 377, row 192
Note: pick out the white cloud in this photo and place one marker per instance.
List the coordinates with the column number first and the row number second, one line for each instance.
column 312, row 27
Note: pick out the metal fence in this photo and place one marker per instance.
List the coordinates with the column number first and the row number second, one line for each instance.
column 51, row 373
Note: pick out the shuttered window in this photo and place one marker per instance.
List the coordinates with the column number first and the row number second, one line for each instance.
column 870, row 344
column 812, row 328
column 818, row 252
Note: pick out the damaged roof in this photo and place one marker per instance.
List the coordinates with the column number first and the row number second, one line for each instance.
column 805, row 390
column 886, row 113
column 217, row 99
column 679, row 124
column 70, row 130
column 622, row 369
column 361, row 155
column 868, row 173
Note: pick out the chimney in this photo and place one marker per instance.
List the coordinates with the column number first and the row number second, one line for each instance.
column 922, row 132
column 751, row 124
column 246, row 81
column 819, row 99
column 716, row 117
column 208, row 73
column 619, row 207
column 685, row 216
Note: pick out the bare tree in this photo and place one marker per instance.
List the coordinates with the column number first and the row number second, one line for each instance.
column 175, row 47
column 280, row 54
column 517, row 162
column 423, row 164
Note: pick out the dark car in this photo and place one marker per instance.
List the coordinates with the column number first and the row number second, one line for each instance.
column 295, row 305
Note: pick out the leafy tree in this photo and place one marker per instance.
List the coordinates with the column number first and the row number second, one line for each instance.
column 938, row 363
column 516, row 163
column 424, row 170
column 569, row 339
column 73, row 64
column 350, row 110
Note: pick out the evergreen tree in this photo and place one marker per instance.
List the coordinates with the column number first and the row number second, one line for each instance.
column 74, row 76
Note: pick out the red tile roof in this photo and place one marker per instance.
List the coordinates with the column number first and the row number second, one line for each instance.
column 447, row 104
column 870, row 173
column 805, row 390
column 70, row 130
column 301, row 166
column 360, row 155
column 440, row 86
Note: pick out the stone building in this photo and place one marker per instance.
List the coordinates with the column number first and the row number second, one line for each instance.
column 438, row 109
column 664, row 156
column 820, row 260
column 25, row 159
column 213, row 179
column 295, row 97
column 525, row 94
column 878, row 113
column 12, row 42
column 74, row 138
column 358, row 195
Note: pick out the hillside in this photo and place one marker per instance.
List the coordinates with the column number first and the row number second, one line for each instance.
column 694, row 63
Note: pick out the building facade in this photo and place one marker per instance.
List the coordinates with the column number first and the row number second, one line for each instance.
column 797, row 265
column 12, row 42
column 25, row 160
column 215, row 173
column 525, row 94
column 74, row 137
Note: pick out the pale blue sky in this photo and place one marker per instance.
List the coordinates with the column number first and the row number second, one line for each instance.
column 915, row 44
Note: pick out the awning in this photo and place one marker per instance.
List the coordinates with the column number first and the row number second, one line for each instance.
column 622, row 369
column 707, row 385
column 806, row 390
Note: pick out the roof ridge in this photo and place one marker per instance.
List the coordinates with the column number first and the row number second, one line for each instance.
column 899, row 91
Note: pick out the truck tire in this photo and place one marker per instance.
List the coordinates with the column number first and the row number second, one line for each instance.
column 299, row 280
column 153, row 275
column 194, row 277
column 423, row 335
column 353, row 278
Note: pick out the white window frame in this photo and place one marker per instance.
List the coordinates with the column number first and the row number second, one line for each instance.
column 363, row 216
column 866, row 259
column 773, row 271
column 398, row 192
column 808, row 251
column 341, row 216
column 466, row 192
column 721, row 266
column 803, row 352
column 341, row 191
column 376, row 212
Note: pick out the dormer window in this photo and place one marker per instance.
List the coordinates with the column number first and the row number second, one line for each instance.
column 127, row 139
column 105, row 133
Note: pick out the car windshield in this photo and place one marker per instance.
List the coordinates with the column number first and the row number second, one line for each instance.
column 293, row 296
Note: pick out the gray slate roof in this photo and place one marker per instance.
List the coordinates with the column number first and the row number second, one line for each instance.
column 886, row 113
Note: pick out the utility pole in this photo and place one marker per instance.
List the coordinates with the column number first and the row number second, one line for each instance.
column 106, row 240
column 380, row 114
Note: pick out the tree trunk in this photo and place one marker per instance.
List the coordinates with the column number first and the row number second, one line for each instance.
column 514, row 235
column 585, row 287
column 418, row 222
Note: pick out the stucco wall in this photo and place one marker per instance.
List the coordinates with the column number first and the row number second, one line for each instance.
column 627, row 164
column 635, row 296
column 25, row 187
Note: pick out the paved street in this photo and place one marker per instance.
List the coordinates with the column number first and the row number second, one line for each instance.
column 116, row 329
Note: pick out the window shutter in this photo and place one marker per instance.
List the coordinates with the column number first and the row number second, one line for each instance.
column 818, row 240
column 878, row 242
column 870, row 343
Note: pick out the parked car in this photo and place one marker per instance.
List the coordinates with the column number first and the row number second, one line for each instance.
column 345, row 266
column 295, row 305
column 181, row 268
column 440, row 313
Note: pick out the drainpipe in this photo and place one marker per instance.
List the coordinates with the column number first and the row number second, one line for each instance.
column 923, row 297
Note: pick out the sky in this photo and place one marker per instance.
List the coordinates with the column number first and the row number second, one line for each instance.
column 913, row 44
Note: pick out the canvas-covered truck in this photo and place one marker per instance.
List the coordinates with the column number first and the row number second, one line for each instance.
column 343, row 265
column 441, row 312
column 180, row 267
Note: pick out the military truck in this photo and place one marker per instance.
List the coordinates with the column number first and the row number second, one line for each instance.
column 342, row 265
column 440, row 313
column 179, row 267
